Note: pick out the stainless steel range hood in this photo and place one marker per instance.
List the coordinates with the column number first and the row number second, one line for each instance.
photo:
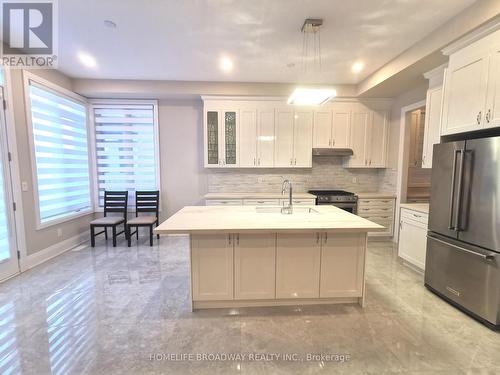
column 332, row 152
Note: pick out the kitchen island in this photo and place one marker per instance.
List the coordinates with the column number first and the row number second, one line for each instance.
column 258, row 256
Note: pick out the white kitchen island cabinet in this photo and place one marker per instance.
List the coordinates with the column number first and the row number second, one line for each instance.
column 257, row 256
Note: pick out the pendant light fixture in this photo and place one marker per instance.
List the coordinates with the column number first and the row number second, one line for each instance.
column 311, row 63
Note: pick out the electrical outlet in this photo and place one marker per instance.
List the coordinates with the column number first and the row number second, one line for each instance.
column 354, row 180
column 24, row 186
column 59, row 232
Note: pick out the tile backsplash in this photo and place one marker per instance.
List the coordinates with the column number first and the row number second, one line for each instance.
column 327, row 172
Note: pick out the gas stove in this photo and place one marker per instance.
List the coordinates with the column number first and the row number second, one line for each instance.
column 343, row 199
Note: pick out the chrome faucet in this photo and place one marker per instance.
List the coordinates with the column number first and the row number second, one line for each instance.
column 287, row 209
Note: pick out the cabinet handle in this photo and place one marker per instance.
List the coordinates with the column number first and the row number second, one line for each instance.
column 488, row 115
column 333, row 142
column 370, row 161
column 291, row 161
column 479, row 115
column 329, row 142
column 326, row 238
column 253, row 161
column 317, row 237
column 229, row 238
column 259, row 161
column 238, row 239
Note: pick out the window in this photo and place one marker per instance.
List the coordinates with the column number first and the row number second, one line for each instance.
column 126, row 148
column 59, row 142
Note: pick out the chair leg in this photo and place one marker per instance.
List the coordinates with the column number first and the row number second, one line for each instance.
column 137, row 233
column 157, row 236
column 92, row 236
column 129, row 236
column 150, row 235
column 114, row 235
column 106, row 232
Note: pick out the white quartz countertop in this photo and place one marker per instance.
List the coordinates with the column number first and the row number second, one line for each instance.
column 238, row 219
column 373, row 195
column 420, row 207
column 250, row 195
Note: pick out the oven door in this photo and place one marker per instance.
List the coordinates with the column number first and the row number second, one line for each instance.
column 349, row 207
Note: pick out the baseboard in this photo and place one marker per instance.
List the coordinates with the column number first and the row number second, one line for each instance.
column 50, row 252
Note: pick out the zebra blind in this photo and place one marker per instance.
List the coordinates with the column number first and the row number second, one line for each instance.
column 61, row 154
column 125, row 149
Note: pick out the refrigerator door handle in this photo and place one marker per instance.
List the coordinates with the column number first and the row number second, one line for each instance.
column 452, row 194
column 489, row 256
column 459, row 197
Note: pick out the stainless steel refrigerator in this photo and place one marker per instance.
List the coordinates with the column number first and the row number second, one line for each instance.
column 463, row 245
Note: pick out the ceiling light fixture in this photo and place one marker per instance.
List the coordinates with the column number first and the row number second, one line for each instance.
column 87, row 60
column 358, row 67
column 226, row 64
column 110, row 24
column 311, row 43
column 304, row 96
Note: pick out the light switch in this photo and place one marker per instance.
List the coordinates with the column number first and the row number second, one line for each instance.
column 24, row 186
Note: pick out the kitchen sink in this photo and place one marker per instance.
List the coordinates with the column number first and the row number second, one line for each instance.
column 278, row 210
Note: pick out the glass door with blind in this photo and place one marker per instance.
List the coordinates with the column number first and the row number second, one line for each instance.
column 9, row 263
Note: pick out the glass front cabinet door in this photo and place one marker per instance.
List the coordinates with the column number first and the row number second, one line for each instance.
column 221, row 134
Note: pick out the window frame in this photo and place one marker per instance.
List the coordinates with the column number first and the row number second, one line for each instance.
column 99, row 103
column 44, row 84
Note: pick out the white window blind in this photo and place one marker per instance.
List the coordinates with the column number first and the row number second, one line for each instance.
column 61, row 154
column 125, row 148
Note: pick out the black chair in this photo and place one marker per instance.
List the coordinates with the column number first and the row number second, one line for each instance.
column 114, row 201
column 145, row 201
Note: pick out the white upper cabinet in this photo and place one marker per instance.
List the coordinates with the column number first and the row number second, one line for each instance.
column 293, row 142
column 341, row 130
column 432, row 124
column 377, row 139
column 283, row 151
column 265, row 137
column 332, row 126
column 272, row 134
column 464, row 99
column 492, row 115
column 322, row 133
column 248, row 138
column 359, row 129
column 368, row 138
column 302, row 135
column 471, row 100
column 256, row 137
column 221, row 129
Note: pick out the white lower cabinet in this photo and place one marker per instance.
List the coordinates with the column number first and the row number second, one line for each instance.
column 255, row 266
column 342, row 265
column 298, row 265
column 413, row 237
column 212, row 267
column 273, row 266
column 380, row 211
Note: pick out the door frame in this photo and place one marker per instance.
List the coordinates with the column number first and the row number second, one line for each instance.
column 15, row 172
column 403, row 156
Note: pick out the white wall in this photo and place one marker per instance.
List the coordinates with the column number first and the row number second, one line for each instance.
column 183, row 178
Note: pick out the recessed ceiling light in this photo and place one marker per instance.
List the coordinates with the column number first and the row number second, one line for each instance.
column 87, row 60
column 110, row 24
column 358, row 67
column 302, row 96
column 226, row 64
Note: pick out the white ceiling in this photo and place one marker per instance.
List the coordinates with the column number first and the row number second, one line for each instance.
column 185, row 39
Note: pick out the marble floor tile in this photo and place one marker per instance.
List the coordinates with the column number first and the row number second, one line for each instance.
column 123, row 310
